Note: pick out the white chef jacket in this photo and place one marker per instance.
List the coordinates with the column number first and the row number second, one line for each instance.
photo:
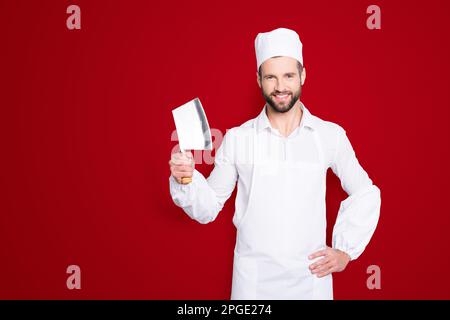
column 358, row 214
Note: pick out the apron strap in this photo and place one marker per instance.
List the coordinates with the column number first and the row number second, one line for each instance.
column 319, row 148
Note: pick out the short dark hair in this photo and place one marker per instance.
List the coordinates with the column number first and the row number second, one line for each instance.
column 299, row 67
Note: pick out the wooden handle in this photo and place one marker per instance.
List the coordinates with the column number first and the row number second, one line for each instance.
column 186, row 180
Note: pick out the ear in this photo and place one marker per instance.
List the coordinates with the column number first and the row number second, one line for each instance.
column 303, row 76
column 257, row 79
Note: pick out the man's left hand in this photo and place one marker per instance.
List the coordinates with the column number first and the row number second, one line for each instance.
column 333, row 260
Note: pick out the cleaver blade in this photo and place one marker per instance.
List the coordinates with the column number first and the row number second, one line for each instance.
column 192, row 126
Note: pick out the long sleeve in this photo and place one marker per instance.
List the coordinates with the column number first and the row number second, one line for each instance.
column 203, row 199
column 359, row 213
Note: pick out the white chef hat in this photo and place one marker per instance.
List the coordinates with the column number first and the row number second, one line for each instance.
column 278, row 42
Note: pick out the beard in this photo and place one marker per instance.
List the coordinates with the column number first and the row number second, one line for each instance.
column 283, row 106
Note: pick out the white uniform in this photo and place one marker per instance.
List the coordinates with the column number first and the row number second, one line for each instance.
column 280, row 211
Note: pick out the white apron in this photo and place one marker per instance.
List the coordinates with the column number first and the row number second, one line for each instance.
column 274, row 239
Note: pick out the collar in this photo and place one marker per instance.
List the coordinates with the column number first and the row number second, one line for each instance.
column 262, row 121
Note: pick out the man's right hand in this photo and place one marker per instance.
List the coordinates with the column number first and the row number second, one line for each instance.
column 182, row 165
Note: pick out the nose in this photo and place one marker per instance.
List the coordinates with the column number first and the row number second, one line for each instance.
column 281, row 86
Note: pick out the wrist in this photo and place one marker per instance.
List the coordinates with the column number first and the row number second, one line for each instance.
column 345, row 254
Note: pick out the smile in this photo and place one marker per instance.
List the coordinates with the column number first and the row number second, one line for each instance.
column 281, row 97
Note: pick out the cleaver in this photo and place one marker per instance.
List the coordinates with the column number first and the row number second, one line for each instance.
column 192, row 128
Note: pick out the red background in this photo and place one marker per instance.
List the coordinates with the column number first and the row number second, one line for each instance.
column 85, row 127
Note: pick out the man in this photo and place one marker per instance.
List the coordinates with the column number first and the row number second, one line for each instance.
column 279, row 160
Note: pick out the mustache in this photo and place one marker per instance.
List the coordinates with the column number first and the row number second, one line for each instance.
column 277, row 92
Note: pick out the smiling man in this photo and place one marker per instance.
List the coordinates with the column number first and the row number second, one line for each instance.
column 279, row 161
